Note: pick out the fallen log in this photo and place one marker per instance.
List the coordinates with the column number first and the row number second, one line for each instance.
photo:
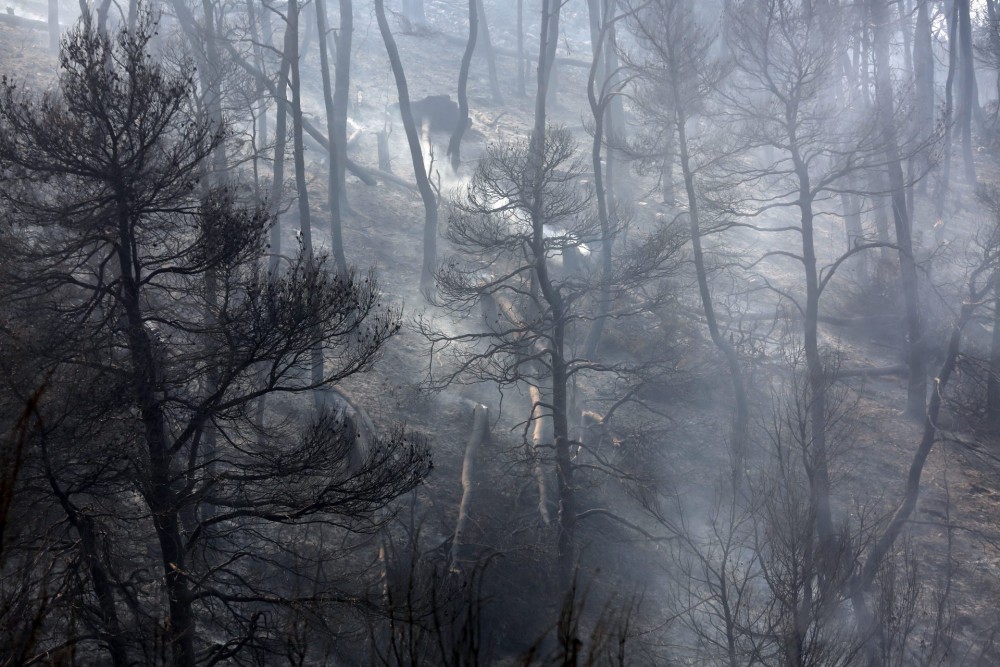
column 463, row 551
column 501, row 318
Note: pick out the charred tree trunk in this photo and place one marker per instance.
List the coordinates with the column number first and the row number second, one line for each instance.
column 615, row 121
column 599, row 101
column 260, row 117
column 298, row 145
column 557, row 308
column 112, row 635
column 551, row 40
column 203, row 39
column 993, row 383
column 413, row 139
column 278, row 169
column 342, row 95
column 491, row 58
column 333, row 186
column 455, row 144
column 560, row 426
column 911, row 494
column 277, row 179
column 819, row 382
column 905, row 28
column 967, row 87
column 949, row 108
column 917, row 385
column 158, row 490
column 882, row 203
column 741, row 417
column 546, row 66
column 299, row 158
column 220, row 165
column 667, row 169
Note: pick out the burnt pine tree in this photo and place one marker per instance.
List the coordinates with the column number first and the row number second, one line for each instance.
column 172, row 547
column 676, row 76
column 520, row 247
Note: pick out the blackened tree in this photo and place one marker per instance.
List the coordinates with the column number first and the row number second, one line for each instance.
column 519, row 230
column 101, row 202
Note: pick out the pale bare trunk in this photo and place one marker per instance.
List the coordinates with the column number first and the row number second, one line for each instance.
column 463, row 545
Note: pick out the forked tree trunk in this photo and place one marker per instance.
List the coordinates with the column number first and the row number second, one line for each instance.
column 599, row 100
column 865, row 579
column 299, row 158
column 558, row 365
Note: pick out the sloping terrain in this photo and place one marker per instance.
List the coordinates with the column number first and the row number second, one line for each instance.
column 955, row 533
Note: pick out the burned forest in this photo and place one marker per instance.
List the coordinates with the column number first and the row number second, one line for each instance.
column 444, row 333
